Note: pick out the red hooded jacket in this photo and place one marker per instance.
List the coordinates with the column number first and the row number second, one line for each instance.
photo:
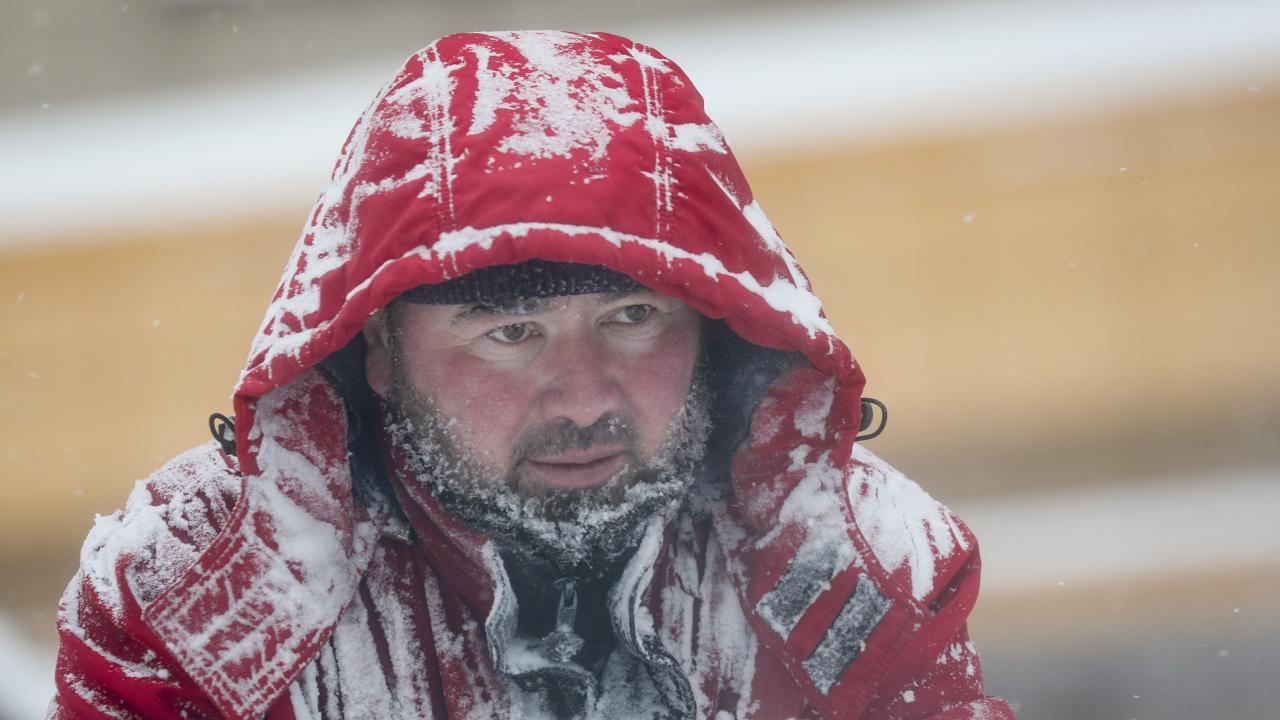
column 266, row 582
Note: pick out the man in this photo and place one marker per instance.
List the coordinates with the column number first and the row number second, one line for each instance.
column 543, row 421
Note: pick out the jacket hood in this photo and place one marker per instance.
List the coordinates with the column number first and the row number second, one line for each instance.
column 496, row 148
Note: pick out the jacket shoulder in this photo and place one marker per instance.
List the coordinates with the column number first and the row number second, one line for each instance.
column 168, row 520
column 915, row 538
column 110, row 664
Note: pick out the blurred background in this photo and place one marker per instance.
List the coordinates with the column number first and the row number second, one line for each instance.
column 1050, row 230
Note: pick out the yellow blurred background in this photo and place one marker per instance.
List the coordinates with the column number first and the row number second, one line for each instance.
column 1058, row 262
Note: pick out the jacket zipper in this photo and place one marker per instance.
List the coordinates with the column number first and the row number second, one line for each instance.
column 563, row 643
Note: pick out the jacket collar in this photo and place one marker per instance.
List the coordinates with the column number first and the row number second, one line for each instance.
column 475, row 569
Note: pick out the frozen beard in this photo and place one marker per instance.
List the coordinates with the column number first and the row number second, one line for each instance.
column 581, row 532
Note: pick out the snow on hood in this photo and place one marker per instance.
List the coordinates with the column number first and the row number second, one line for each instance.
column 495, row 148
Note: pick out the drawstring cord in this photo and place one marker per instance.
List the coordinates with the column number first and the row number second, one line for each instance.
column 866, row 419
column 223, row 430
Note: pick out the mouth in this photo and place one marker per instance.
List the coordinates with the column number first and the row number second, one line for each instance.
column 579, row 469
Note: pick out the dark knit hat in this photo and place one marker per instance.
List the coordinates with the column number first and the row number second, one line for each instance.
column 506, row 285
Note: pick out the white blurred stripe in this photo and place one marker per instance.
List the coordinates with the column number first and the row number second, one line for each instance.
column 887, row 69
column 785, row 77
column 167, row 161
column 1119, row 534
column 26, row 675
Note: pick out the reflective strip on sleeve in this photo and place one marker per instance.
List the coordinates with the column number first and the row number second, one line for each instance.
column 847, row 636
column 807, row 576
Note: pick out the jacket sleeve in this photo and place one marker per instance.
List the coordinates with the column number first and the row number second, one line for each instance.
column 853, row 577
column 110, row 664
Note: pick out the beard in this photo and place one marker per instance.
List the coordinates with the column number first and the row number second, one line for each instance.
column 583, row 532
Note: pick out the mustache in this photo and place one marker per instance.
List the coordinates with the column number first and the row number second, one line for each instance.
column 557, row 437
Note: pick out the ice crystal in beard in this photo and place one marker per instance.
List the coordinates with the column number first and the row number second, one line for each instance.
column 581, row 532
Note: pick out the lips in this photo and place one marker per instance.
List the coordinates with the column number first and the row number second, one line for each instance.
column 578, row 469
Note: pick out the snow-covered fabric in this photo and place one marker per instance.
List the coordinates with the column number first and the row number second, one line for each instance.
column 825, row 584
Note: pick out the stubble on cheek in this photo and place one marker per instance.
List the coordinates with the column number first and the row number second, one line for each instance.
column 450, row 445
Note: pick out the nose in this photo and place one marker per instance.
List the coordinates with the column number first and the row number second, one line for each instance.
column 578, row 379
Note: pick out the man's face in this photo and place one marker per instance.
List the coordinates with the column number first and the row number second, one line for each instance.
column 562, row 405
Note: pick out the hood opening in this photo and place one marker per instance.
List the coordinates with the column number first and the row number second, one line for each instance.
column 740, row 373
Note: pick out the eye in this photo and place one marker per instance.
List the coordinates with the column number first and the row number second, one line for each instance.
column 632, row 314
column 511, row 334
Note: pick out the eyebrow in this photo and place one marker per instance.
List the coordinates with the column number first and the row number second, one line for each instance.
column 530, row 306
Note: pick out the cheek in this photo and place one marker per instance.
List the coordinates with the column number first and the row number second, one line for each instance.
column 486, row 404
column 658, row 385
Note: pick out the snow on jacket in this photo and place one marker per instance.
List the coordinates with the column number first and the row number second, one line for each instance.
column 267, row 583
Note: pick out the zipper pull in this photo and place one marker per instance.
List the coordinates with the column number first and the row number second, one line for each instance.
column 562, row 643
